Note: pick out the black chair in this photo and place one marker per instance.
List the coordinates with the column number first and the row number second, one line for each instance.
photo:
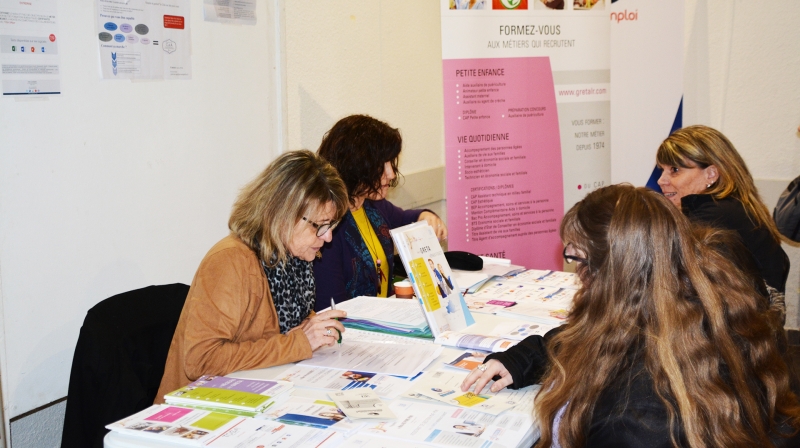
column 119, row 360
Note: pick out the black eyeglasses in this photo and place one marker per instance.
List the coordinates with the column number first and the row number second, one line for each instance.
column 570, row 258
column 322, row 228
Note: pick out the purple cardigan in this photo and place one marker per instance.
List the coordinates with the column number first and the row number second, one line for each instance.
column 346, row 269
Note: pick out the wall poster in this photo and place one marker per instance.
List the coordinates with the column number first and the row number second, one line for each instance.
column 29, row 61
column 141, row 39
column 527, row 118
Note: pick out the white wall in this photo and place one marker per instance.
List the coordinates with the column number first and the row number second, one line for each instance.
column 741, row 77
column 376, row 57
column 115, row 185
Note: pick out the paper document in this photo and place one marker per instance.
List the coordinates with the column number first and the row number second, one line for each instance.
column 264, row 433
column 511, row 290
column 233, row 12
column 391, row 359
column 303, row 411
column 399, row 311
column 386, row 315
column 468, row 279
column 374, row 337
column 474, row 341
column 549, row 307
column 556, row 279
column 358, row 404
column 29, row 44
column 371, row 441
column 441, row 425
column 520, row 330
column 386, row 386
column 482, row 305
column 445, row 386
column 469, row 360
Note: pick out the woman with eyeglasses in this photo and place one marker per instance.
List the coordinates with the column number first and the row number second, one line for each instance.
column 251, row 303
column 359, row 259
column 668, row 344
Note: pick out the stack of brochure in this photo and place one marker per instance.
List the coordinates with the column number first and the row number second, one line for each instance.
column 429, row 272
column 230, row 395
column 165, row 425
column 400, row 317
column 471, row 281
column 177, row 424
column 534, row 295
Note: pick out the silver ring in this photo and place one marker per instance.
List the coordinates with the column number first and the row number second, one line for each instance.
column 482, row 367
column 328, row 332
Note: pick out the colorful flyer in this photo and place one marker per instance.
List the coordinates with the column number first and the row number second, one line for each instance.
column 445, row 386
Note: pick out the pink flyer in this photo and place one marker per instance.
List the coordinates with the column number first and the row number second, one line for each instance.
column 169, row 414
column 503, row 157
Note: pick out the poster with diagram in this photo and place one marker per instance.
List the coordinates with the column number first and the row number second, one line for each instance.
column 141, row 39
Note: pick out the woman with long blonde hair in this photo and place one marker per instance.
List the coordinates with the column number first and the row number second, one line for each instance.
column 668, row 344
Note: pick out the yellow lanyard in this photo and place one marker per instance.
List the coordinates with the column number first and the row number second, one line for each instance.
column 375, row 249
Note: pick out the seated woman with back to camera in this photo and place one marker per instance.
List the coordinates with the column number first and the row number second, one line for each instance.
column 668, row 343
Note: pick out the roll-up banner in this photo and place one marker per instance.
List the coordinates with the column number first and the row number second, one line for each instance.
column 527, row 102
column 527, row 121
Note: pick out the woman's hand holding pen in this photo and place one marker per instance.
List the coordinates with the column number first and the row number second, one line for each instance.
column 321, row 329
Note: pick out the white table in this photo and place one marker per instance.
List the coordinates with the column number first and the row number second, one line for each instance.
column 483, row 324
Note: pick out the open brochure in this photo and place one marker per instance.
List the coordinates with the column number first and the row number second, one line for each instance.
column 390, row 359
column 177, row 424
column 544, row 304
column 429, row 272
column 431, row 424
column 265, row 433
column 311, row 412
column 445, row 386
column 475, row 341
column 386, row 386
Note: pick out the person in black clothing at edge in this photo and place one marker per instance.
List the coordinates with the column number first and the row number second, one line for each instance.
column 708, row 180
column 668, row 344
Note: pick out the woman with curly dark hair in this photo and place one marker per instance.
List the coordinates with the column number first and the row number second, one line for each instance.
column 359, row 259
column 668, row 344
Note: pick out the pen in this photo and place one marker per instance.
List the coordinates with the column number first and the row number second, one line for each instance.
column 333, row 308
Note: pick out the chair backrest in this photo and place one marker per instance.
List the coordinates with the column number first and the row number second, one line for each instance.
column 119, row 360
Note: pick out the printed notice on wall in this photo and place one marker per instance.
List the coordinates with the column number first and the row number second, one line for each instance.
column 142, row 39
column 232, row 12
column 526, row 102
column 29, row 47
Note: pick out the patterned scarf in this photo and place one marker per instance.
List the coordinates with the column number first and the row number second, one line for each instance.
column 293, row 291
